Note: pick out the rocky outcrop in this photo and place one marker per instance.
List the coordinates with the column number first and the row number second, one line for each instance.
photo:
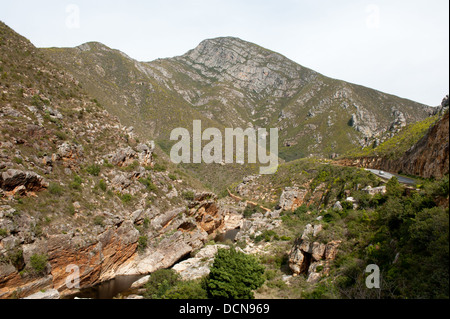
column 311, row 257
column 375, row 190
column 15, row 181
column 171, row 236
column 427, row 158
column 71, row 154
column 126, row 156
column 47, row 294
column 292, row 198
column 198, row 266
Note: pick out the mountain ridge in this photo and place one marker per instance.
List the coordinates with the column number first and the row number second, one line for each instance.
column 229, row 82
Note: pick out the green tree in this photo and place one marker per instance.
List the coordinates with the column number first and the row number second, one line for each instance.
column 393, row 187
column 187, row 290
column 234, row 275
column 160, row 282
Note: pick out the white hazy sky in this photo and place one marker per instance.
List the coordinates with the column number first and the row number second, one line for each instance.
column 399, row 47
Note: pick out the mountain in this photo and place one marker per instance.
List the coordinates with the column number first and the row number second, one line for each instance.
column 228, row 82
column 83, row 195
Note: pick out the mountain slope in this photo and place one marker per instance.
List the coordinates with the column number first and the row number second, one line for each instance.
column 77, row 188
column 420, row 149
column 238, row 84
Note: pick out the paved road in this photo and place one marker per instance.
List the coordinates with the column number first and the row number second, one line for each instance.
column 387, row 175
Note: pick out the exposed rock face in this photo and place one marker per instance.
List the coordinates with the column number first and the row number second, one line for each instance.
column 292, row 198
column 70, row 154
column 365, row 123
column 251, row 85
column 15, row 181
column 307, row 255
column 375, row 190
column 114, row 251
column 199, row 266
column 126, row 156
column 428, row 158
column 48, row 294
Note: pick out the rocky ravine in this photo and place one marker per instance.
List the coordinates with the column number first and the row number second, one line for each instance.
column 171, row 236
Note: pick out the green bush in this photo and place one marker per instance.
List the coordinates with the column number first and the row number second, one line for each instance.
column 234, row 275
column 301, row 210
column 126, row 198
column 167, row 284
column 99, row 220
column 250, row 210
column 187, row 290
column 159, row 168
column 76, row 184
column 102, row 185
column 142, row 243
column 393, row 188
column 188, row 195
column 55, row 189
column 93, row 169
column 39, row 263
column 149, row 184
column 347, row 205
column 160, row 282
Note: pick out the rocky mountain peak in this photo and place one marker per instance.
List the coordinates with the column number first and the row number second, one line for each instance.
column 249, row 66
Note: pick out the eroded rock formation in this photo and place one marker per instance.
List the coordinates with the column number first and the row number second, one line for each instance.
column 311, row 257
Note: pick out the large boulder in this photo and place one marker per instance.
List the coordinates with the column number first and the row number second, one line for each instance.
column 199, row 266
column 292, row 198
column 14, row 179
column 126, row 156
column 69, row 153
column 47, row 294
column 308, row 254
column 123, row 157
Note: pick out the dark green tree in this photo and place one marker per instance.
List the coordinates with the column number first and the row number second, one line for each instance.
column 393, row 187
column 234, row 275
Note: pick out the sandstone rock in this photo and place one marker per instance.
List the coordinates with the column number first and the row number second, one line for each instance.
column 200, row 197
column 47, row 294
column 145, row 153
column 307, row 232
column 123, row 157
column 332, row 249
column 140, row 283
column 306, row 255
column 199, row 266
column 318, row 250
column 126, row 156
column 314, row 277
column 30, row 181
column 165, row 254
column 375, row 190
column 296, row 261
column 292, row 198
column 338, row 206
column 163, row 219
column 28, row 286
column 317, row 229
column 120, row 182
column 69, row 153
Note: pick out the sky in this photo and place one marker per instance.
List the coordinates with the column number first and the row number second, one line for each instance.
column 399, row 47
